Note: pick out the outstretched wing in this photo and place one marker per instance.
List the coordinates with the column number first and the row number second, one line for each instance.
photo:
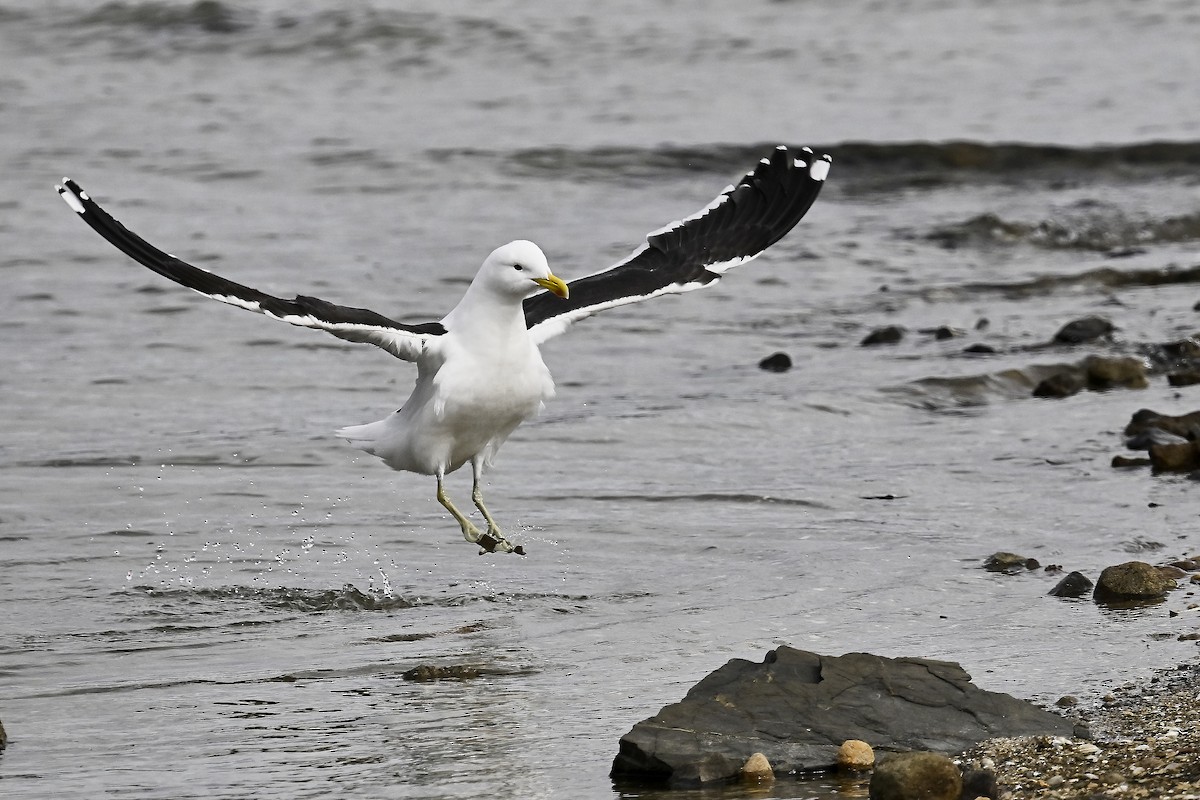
column 736, row 227
column 345, row 322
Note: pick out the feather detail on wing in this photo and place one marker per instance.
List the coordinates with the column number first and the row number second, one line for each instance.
column 346, row 322
column 694, row 252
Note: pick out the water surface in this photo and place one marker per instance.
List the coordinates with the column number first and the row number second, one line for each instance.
column 206, row 594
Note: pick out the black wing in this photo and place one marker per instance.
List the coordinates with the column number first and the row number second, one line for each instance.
column 346, row 322
column 736, row 227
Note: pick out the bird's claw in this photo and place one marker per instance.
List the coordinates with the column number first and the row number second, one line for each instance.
column 491, row 542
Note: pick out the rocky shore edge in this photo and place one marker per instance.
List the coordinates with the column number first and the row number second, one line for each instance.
column 1145, row 743
column 914, row 728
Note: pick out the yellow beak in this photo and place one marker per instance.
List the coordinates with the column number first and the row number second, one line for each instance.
column 555, row 285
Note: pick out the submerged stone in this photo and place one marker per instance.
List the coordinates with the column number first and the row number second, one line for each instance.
column 916, row 776
column 777, row 362
column 1082, row 330
column 889, row 334
column 1076, row 584
column 1009, row 562
column 1062, row 384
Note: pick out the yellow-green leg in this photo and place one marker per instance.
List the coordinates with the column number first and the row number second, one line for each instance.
column 494, row 536
column 470, row 532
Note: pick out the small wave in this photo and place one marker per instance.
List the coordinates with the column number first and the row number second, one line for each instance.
column 617, row 164
column 1040, row 286
column 860, row 165
column 1099, row 228
column 218, row 461
column 347, row 598
column 702, row 497
column 406, row 38
column 350, row 598
column 208, row 16
column 933, row 162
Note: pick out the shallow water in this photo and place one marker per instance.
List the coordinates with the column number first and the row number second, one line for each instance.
column 206, row 594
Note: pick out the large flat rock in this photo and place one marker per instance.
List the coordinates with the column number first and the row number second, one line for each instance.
column 797, row 707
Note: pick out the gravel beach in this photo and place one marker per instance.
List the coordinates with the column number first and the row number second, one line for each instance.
column 1145, row 744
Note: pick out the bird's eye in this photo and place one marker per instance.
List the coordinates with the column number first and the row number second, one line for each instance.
column 518, row 267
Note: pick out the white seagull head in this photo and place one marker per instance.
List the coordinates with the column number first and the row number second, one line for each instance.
column 517, row 269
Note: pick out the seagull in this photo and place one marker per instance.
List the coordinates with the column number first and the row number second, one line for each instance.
column 479, row 371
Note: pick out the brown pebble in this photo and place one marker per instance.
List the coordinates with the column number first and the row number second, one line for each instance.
column 855, row 755
column 1129, row 461
column 757, row 769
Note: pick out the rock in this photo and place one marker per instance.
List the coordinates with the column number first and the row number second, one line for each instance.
column 1182, row 457
column 980, row 783
column 855, row 756
column 1076, row 584
column 1112, row 372
column 1178, row 352
column 941, row 332
column 1083, row 330
column 1184, row 377
column 1186, row 426
column 1062, row 384
column 916, row 776
column 980, row 350
column 1143, row 439
column 796, row 707
column 886, row 335
column 1133, row 580
column 1126, row 461
column 757, row 769
column 433, row 672
column 777, row 362
column 3, row 737
column 1009, row 563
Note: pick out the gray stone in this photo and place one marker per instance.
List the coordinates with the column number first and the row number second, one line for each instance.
column 776, row 362
column 1083, row 330
column 797, row 707
column 890, row 334
column 1075, row 584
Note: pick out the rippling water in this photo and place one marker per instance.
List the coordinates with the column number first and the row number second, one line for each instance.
column 206, row 594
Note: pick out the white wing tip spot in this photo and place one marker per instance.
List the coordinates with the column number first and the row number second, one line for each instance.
column 70, row 198
column 819, row 170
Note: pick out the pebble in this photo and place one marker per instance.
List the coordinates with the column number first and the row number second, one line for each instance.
column 855, row 755
column 886, row 335
column 776, row 362
column 757, row 769
column 1083, row 330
